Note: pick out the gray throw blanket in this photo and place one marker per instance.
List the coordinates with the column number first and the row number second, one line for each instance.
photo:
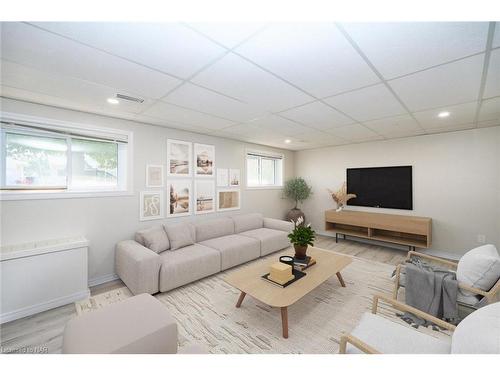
column 431, row 290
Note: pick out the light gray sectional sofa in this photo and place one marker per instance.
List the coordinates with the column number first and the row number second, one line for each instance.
column 166, row 257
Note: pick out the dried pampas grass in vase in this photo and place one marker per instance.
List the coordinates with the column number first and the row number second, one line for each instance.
column 341, row 197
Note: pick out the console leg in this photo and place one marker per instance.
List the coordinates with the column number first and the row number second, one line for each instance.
column 336, row 237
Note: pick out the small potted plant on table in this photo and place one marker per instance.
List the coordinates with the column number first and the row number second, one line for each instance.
column 301, row 237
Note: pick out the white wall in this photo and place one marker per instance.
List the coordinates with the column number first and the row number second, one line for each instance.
column 105, row 221
column 456, row 181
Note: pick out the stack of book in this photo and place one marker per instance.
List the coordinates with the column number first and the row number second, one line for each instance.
column 302, row 264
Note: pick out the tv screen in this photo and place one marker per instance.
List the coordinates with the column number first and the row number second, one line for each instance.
column 386, row 187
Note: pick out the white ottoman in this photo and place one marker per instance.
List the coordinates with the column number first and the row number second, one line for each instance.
column 140, row 324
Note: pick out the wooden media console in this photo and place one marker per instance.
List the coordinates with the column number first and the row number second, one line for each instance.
column 412, row 231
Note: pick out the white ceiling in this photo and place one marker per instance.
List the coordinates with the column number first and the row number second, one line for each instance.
column 315, row 84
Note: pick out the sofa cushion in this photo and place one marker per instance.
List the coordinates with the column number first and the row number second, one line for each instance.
column 478, row 333
column 242, row 223
column 153, row 238
column 191, row 263
column 393, row 338
column 283, row 225
column 480, row 268
column 234, row 249
column 137, row 325
column 180, row 235
column 209, row 229
column 271, row 240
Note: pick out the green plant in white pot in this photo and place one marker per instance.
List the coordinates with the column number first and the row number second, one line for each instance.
column 297, row 190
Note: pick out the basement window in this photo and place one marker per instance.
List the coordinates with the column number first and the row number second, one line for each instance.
column 43, row 160
column 264, row 170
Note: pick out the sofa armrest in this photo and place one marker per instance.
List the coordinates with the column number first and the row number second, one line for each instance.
column 138, row 267
column 282, row 225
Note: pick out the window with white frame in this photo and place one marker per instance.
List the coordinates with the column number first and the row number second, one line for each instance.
column 53, row 158
column 264, row 169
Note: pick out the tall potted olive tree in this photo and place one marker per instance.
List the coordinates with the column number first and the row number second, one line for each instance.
column 297, row 190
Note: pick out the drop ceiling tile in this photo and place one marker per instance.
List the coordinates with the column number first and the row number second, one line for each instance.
column 452, row 128
column 367, row 104
column 490, row 110
column 64, row 91
column 488, row 123
column 319, row 137
column 169, row 47
column 240, row 79
column 492, row 87
column 203, row 100
column 444, row 85
column 317, row 115
column 44, row 51
column 393, row 127
column 459, row 115
column 174, row 125
column 229, row 34
column 313, row 56
column 279, row 125
column 175, row 114
column 404, row 47
column 355, row 133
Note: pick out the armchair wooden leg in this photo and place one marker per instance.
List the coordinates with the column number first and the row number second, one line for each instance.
column 343, row 344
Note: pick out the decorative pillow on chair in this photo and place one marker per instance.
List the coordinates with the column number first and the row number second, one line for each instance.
column 180, row 235
column 480, row 268
column 153, row 238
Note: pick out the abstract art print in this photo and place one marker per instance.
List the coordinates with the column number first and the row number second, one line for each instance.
column 204, row 159
column 151, row 205
column 154, row 176
column 179, row 158
column 234, row 177
column 179, row 197
column 222, row 177
column 204, row 196
column 228, row 199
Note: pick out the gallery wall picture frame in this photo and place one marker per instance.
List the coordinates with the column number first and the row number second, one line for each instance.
column 234, row 178
column 179, row 158
column 204, row 197
column 154, row 176
column 222, row 177
column 204, row 160
column 228, row 199
column 179, row 197
column 151, row 205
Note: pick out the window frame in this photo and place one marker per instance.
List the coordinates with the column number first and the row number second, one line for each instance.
column 278, row 185
column 125, row 156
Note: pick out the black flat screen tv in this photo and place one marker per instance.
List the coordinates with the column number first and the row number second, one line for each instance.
column 385, row 187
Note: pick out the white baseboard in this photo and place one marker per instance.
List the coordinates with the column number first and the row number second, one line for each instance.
column 44, row 306
column 103, row 279
column 438, row 253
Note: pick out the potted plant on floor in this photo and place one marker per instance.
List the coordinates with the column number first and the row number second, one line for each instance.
column 301, row 237
column 297, row 190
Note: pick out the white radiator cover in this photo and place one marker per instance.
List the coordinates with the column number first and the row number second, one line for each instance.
column 40, row 276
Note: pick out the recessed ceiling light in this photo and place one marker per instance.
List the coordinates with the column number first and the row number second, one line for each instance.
column 288, row 141
column 113, row 101
column 443, row 114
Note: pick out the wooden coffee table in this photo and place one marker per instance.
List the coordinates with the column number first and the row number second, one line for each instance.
column 248, row 280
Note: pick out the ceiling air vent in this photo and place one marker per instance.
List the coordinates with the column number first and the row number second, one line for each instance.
column 129, row 98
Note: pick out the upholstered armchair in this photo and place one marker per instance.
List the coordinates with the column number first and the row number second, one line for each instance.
column 477, row 334
column 478, row 275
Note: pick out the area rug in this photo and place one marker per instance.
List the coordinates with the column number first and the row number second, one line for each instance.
column 206, row 314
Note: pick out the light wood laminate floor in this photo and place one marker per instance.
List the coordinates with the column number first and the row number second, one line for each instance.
column 42, row 333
